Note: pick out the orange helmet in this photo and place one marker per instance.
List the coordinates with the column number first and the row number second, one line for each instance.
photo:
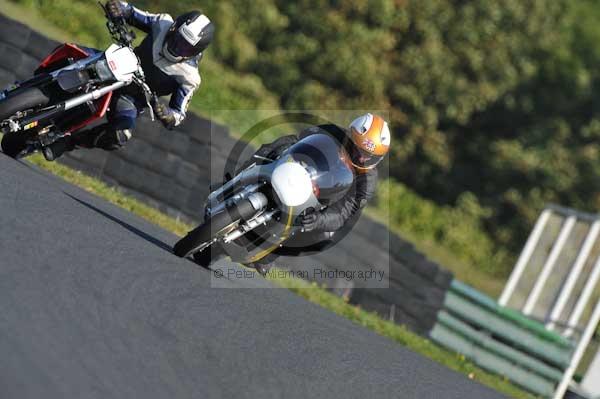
column 371, row 137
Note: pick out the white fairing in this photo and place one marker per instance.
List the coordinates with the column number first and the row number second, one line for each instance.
column 292, row 184
column 122, row 62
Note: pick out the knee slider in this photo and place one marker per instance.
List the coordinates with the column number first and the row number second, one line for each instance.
column 123, row 136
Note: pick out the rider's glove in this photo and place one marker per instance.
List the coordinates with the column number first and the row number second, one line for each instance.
column 310, row 221
column 163, row 113
column 114, row 9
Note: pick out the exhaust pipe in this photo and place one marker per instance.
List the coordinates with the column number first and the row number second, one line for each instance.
column 250, row 225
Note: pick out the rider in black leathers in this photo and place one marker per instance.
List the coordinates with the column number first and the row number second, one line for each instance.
column 367, row 142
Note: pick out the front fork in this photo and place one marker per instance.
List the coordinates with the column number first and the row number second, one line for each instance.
column 47, row 136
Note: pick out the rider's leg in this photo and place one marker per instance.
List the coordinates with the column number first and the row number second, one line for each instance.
column 118, row 130
column 108, row 136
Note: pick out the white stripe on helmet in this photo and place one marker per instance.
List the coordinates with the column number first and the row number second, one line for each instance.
column 191, row 32
column 386, row 136
column 362, row 124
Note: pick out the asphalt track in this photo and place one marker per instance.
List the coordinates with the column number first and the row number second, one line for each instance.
column 94, row 305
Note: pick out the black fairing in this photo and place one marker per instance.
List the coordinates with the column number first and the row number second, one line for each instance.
column 327, row 162
column 72, row 80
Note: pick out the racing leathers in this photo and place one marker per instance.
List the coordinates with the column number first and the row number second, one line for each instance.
column 325, row 227
column 178, row 79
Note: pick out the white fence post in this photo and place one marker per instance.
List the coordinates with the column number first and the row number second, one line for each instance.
column 574, row 274
column 532, row 242
column 581, row 346
column 549, row 265
column 587, row 292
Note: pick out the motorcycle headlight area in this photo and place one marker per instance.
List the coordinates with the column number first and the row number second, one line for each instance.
column 292, row 184
column 103, row 71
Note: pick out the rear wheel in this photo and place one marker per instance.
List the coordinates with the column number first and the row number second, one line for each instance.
column 216, row 226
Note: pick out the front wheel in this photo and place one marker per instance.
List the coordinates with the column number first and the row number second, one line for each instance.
column 14, row 145
column 24, row 100
column 205, row 257
column 214, row 227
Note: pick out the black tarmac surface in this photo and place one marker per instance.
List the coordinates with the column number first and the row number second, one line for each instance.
column 94, row 305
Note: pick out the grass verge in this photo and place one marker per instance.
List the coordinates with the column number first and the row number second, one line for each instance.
column 309, row 291
column 111, row 194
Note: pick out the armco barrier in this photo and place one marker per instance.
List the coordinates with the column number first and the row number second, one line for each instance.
column 502, row 340
column 171, row 171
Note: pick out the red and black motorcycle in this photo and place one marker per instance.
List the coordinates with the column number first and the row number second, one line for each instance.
column 70, row 89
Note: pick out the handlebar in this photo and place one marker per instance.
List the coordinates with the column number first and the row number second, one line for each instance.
column 121, row 34
column 118, row 28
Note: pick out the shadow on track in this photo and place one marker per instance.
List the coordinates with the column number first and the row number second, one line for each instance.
column 126, row 225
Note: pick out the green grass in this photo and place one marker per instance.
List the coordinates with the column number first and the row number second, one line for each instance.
column 462, row 270
column 33, row 18
column 452, row 237
column 309, row 291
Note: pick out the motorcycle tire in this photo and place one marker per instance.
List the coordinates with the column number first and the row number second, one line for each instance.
column 205, row 257
column 202, row 234
column 27, row 99
column 13, row 144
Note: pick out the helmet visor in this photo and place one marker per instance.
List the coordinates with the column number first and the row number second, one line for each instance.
column 178, row 46
column 362, row 158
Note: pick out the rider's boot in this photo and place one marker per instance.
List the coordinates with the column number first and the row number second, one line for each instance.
column 112, row 139
column 262, row 268
column 264, row 264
